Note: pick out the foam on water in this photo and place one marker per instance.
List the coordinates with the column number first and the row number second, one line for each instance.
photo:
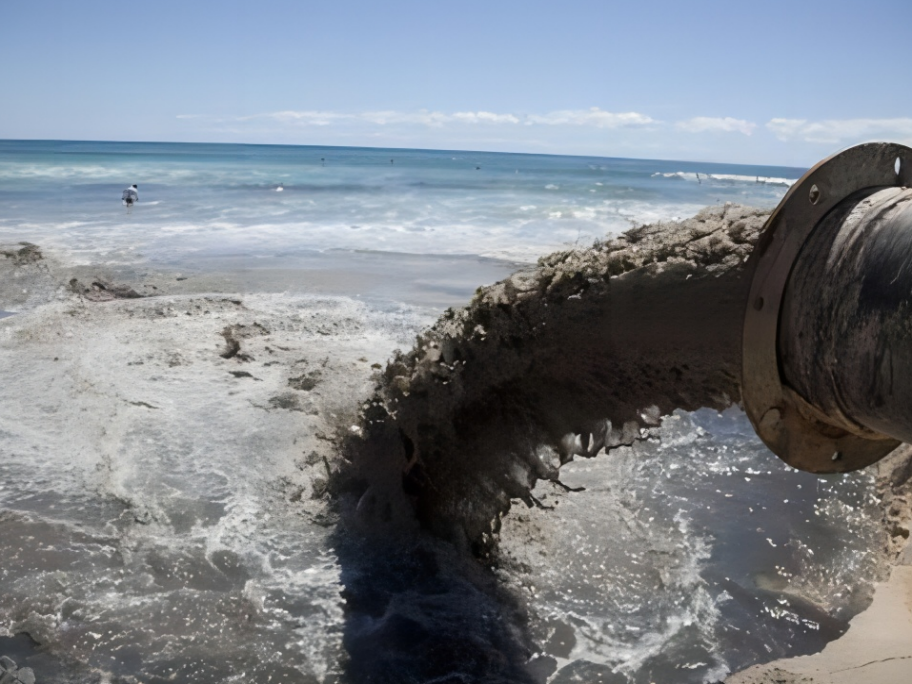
column 198, row 200
column 673, row 565
column 727, row 178
column 142, row 533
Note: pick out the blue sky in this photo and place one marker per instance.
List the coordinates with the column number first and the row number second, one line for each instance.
column 772, row 82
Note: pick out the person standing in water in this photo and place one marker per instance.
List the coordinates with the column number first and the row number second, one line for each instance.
column 130, row 195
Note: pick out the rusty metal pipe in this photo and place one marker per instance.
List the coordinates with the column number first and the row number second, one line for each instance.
column 846, row 348
column 827, row 374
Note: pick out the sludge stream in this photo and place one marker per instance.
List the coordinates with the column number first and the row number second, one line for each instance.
column 687, row 552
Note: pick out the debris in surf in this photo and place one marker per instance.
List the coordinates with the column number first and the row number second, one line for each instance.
column 11, row 674
column 101, row 290
column 26, row 254
column 233, row 335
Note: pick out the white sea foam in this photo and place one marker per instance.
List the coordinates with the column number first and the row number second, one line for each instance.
column 535, row 230
column 196, row 202
column 727, row 177
column 134, row 459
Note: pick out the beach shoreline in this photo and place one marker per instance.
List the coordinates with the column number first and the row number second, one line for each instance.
column 877, row 648
column 183, row 426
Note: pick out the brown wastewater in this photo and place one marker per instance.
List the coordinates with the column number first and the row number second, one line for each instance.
column 556, row 484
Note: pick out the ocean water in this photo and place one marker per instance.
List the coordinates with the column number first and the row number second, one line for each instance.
column 202, row 202
column 692, row 553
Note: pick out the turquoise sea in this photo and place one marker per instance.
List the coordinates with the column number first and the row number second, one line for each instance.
column 199, row 203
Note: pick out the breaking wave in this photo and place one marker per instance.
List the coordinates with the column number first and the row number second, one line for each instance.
column 727, row 178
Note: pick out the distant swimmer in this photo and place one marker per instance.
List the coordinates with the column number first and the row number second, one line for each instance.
column 130, row 196
column 392, row 161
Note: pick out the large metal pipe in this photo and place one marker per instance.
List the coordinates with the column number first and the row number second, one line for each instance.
column 828, row 334
column 846, row 347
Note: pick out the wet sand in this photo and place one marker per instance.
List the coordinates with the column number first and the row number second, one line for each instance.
column 877, row 648
column 175, row 450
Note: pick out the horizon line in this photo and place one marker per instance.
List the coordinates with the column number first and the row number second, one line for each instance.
column 402, row 149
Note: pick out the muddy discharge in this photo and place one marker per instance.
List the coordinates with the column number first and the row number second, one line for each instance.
column 582, row 353
column 592, row 350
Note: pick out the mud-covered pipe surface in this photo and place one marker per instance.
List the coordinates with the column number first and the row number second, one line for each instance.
column 845, row 335
column 584, row 352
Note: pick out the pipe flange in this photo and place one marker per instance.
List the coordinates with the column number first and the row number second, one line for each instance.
column 788, row 425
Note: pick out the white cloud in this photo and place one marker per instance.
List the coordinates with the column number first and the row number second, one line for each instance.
column 421, row 117
column 388, row 118
column 591, row 117
column 303, row 118
column 485, row 117
column 835, row 131
column 703, row 124
column 785, row 129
